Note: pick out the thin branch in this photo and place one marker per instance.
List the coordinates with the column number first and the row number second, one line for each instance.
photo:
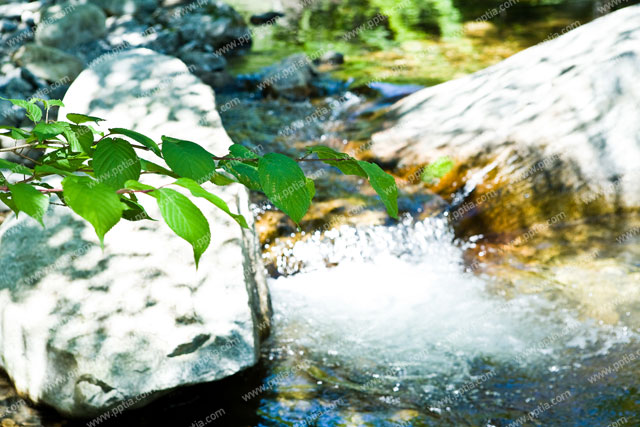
column 18, row 147
column 28, row 158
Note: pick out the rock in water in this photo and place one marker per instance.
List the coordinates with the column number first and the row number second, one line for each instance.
column 82, row 329
column 552, row 129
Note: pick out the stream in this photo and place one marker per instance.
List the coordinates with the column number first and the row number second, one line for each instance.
column 384, row 323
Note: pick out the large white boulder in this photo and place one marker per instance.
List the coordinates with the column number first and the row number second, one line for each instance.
column 551, row 129
column 81, row 328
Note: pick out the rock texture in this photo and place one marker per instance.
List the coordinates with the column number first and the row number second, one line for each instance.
column 552, row 129
column 48, row 63
column 82, row 329
column 68, row 24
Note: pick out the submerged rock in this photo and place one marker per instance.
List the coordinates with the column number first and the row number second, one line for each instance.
column 551, row 130
column 81, row 328
column 290, row 78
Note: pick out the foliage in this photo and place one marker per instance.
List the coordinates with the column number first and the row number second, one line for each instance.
column 102, row 175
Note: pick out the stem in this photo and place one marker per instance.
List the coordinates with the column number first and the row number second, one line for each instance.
column 28, row 158
column 18, row 147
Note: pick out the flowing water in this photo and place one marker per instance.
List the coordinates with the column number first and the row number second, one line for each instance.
column 384, row 323
column 402, row 323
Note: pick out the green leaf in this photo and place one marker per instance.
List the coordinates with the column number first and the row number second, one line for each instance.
column 15, row 133
column 138, row 186
column 136, row 136
column 221, row 179
column 385, row 186
column 152, row 167
column 43, row 170
column 93, row 201
column 185, row 219
column 115, row 162
column 134, row 211
column 285, row 185
column 3, row 180
column 15, row 167
column 34, row 113
column 7, row 201
column 55, row 103
column 311, row 188
column 437, row 169
column 50, row 130
column 348, row 166
column 240, row 151
column 198, row 191
column 30, row 201
column 84, row 136
column 83, row 118
column 188, row 159
column 246, row 174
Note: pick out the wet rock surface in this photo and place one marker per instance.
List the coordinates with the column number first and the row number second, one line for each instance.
column 537, row 135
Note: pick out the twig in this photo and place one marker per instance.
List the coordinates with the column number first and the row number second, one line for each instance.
column 18, row 147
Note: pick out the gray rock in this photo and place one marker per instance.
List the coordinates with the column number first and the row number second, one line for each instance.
column 14, row 88
column 553, row 128
column 69, row 24
column 126, row 7
column 290, row 78
column 7, row 26
column 218, row 25
column 48, row 63
column 81, row 328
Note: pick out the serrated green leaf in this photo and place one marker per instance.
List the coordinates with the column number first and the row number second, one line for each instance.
column 285, row 185
column 3, row 180
column 83, row 118
column 348, row 166
column 50, row 130
column 15, row 167
column 185, row 219
column 115, row 162
column 34, row 113
column 384, row 184
column 30, row 201
column 93, row 201
column 198, row 191
column 437, row 169
column 138, row 137
column 152, row 167
column 188, row 159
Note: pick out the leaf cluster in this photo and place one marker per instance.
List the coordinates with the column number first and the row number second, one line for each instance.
column 102, row 175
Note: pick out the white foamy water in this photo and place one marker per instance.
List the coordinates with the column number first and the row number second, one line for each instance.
column 401, row 297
